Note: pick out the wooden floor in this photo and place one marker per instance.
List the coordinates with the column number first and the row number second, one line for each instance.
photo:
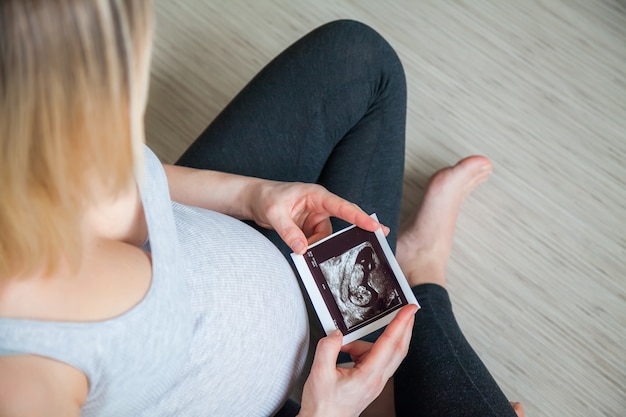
column 538, row 271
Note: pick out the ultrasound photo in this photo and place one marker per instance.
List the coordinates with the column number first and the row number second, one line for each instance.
column 354, row 282
column 361, row 285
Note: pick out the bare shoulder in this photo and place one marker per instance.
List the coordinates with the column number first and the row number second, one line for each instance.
column 36, row 386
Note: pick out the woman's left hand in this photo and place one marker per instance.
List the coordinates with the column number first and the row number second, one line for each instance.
column 300, row 213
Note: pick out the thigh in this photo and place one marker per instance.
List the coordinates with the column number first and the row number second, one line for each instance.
column 286, row 122
column 330, row 109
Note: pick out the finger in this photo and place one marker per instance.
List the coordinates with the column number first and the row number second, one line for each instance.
column 357, row 349
column 350, row 212
column 317, row 229
column 399, row 331
column 317, row 237
column 391, row 356
column 392, row 346
column 290, row 233
column 327, row 351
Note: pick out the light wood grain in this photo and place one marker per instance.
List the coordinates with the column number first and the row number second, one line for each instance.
column 538, row 271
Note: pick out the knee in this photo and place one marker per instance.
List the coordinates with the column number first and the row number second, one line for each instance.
column 362, row 45
column 356, row 35
column 355, row 32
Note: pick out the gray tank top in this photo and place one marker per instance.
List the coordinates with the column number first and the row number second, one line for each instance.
column 222, row 330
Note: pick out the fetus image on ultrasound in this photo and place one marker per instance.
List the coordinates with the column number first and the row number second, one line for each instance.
column 361, row 286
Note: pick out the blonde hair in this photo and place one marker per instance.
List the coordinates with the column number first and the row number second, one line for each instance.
column 72, row 81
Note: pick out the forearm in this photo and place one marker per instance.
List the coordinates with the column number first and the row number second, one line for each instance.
column 213, row 190
column 300, row 213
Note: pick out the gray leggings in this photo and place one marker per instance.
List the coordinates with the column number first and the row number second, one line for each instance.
column 331, row 110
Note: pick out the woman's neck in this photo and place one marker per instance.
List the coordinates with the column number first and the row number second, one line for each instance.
column 120, row 218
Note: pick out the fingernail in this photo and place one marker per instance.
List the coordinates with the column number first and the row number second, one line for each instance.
column 336, row 333
column 297, row 246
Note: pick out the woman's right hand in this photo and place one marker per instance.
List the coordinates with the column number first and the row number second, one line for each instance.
column 346, row 392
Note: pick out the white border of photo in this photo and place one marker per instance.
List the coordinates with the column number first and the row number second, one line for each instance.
column 323, row 313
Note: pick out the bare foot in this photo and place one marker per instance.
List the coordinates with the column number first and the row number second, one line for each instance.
column 425, row 243
column 519, row 409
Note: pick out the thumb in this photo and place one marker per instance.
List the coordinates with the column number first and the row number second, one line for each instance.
column 327, row 351
column 291, row 234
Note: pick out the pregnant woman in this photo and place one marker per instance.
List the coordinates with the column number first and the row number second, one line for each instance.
column 133, row 288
